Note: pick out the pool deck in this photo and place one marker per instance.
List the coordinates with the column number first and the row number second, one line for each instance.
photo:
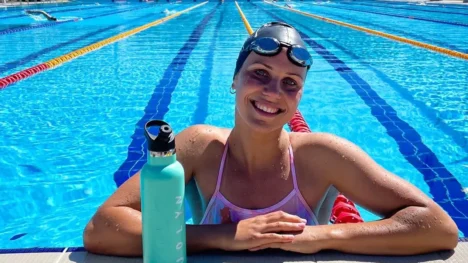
column 26, row 4
column 459, row 255
column 432, row 2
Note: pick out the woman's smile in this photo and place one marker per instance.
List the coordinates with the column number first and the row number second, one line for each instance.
column 265, row 109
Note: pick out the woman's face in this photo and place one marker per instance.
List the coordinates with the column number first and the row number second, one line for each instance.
column 268, row 90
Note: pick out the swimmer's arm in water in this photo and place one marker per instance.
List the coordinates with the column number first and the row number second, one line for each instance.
column 412, row 222
column 41, row 12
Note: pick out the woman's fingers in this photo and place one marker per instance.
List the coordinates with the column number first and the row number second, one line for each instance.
column 280, row 226
column 283, row 216
column 264, row 246
column 274, row 238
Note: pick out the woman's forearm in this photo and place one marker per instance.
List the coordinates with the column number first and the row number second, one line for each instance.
column 209, row 237
column 114, row 231
column 413, row 230
column 118, row 231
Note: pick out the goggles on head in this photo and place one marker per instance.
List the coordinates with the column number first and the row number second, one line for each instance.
column 268, row 46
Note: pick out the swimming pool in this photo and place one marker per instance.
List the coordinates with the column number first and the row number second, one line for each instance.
column 70, row 135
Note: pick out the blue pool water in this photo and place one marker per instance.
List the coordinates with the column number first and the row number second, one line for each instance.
column 69, row 136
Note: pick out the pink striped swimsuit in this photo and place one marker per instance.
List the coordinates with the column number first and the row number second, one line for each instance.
column 220, row 210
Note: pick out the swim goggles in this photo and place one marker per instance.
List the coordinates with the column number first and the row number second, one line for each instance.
column 268, row 46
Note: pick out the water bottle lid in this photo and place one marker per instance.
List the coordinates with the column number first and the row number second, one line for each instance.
column 164, row 141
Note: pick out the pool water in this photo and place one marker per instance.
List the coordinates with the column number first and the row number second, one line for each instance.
column 69, row 136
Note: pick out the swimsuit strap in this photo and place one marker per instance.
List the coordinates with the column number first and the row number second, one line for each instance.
column 293, row 168
column 221, row 169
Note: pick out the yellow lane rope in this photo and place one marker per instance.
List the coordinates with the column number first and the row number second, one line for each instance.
column 382, row 34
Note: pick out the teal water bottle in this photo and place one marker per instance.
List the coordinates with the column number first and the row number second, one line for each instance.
column 162, row 199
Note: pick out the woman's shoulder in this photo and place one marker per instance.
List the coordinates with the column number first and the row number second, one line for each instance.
column 323, row 149
column 200, row 144
column 200, row 137
column 323, row 146
column 315, row 140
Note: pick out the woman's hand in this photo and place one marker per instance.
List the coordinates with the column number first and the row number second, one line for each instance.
column 264, row 230
column 308, row 241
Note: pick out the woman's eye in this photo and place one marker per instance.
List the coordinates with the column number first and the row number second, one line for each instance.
column 261, row 72
column 290, row 82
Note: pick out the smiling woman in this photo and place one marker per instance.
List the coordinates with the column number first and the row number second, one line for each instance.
column 271, row 40
column 258, row 186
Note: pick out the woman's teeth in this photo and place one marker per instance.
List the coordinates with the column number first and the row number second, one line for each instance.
column 266, row 108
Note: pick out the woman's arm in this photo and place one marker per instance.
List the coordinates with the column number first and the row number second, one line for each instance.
column 114, row 231
column 117, row 231
column 116, row 227
column 412, row 222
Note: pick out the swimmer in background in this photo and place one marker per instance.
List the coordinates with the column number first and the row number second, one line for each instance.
column 41, row 12
column 168, row 12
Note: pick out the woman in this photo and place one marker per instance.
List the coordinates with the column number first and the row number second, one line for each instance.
column 257, row 186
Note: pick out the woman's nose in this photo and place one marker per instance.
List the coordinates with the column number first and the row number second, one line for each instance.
column 272, row 88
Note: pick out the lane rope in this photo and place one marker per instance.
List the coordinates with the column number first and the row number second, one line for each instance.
column 441, row 50
column 55, row 62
